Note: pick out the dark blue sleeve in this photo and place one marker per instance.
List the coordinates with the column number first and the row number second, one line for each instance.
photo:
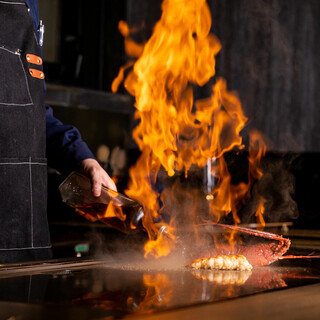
column 65, row 148
column 34, row 11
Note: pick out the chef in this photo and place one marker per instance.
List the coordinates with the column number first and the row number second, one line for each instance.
column 29, row 137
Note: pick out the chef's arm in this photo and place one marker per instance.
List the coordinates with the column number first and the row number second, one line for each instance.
column 66, row 152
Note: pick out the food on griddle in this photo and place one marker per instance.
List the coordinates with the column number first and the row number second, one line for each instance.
column 222, row 262
column 222, row 277
column 270, row 248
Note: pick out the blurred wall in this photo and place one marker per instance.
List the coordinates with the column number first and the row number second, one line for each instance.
column 270, row 55
column 88, row 49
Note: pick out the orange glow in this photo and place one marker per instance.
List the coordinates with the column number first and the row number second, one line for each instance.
column 132, row 48
column 260, row 211
column 229, row 197
column 113, row 211
column 117, row 81
column 159, row 290
column 94, row 211
column 163, row 243
column 176, row 133
column 257, row 150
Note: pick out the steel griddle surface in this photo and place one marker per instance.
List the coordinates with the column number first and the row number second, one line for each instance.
column 121, row 291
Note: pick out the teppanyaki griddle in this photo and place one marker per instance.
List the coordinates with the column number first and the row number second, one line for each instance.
column 99, row 288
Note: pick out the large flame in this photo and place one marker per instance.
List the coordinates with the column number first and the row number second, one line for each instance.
column 175, row 132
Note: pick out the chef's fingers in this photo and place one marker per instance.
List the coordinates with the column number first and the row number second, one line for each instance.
column 108, row 182
column 96, row 183
column 97, row 175
column 99, row 178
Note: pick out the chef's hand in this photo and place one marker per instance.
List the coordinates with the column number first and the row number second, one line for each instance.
column 97, row 175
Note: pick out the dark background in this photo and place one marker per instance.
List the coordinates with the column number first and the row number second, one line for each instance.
column 270, row 56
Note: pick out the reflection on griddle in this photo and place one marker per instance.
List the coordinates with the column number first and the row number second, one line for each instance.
column 149, row 291
column 222, row 277
column 121, row 288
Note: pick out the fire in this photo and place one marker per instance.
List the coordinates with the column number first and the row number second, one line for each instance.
column 176, row 133
column 260, row 211
column 159, row 290
column 257, row 150
column 113, row 211
column 94, row 211
column 164, row 241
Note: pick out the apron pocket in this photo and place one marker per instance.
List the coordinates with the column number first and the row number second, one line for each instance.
column 23, row 197
column 13, row 80
column 41, row 236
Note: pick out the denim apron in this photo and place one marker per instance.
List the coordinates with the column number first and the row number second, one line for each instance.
column 24, row 233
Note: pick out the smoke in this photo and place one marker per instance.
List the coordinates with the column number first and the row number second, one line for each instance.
column 277, row 187
column 187, row 208
column 126, row 252
column 268, row 46
column 133, row 259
